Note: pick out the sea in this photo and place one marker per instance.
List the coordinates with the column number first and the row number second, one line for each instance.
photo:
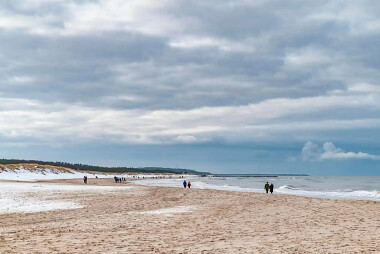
column 331, row 187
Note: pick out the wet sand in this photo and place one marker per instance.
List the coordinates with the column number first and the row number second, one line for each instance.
column 176, row 220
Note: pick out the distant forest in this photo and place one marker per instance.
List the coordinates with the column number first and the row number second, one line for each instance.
column 84, row 167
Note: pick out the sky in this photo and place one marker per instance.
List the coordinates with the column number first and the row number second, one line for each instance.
column 222, row 86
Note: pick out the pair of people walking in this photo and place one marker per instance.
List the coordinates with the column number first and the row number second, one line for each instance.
column 269, row 187
column 188, row 184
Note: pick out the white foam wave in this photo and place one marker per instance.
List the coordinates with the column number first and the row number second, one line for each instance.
column 284, row 189
column 196, row 184
column 287, row 187
column 354, row 195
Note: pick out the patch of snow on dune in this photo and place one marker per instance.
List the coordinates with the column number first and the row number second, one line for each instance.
column 26, row 175
column 22, row 205
column 31, row 197
column 169, row 211
column 22, row 174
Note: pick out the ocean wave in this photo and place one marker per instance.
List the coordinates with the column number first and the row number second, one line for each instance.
column 288, row 187
column 353, row 195
column 299, row 190
column 195, row 184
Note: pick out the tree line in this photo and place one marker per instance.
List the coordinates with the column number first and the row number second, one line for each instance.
column 85, row 167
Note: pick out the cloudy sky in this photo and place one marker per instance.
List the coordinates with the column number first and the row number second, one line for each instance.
column 225, row 86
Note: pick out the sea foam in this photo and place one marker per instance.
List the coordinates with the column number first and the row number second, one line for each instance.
column 355, row 188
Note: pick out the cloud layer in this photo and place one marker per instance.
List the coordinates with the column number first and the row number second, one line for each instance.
column 168, row 72
column 329, row 151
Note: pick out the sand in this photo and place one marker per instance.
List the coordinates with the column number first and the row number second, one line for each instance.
column 175, row 220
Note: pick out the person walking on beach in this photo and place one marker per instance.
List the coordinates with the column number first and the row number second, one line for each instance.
column 189, row 184
column 85, row 179
column 184, row 184
column 271, row 187
column 266, row 187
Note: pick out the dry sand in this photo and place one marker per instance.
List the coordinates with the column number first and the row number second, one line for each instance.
column 175, row 220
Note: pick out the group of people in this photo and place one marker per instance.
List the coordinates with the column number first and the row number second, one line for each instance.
column 188, row 184
column 118, row 179
column 269, row 187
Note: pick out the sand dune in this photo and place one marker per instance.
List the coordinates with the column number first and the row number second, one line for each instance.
column 134, row 220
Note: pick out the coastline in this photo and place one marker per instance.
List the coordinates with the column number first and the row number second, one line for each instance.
column 329, row 187
column 143, row 219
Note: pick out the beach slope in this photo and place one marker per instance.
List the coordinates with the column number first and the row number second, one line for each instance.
column 174, row 220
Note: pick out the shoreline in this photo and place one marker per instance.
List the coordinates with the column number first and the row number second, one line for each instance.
column 145, row 219
column 370, row 195
column 130, row 181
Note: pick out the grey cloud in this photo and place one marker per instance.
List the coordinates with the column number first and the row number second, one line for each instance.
column 87, row 59
column 188, row 55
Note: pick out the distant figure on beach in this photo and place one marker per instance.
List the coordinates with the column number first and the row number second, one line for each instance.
column 271, row 187
column 266, row 187
column 189, row 184
column 184, row 184
column 85, row 179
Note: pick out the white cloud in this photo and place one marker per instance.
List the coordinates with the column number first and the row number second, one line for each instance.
column 364, row 88
column 359, row 17
column 313, row 152
column 186, row 138
column 310, row 151
column 264, row 121
column 78, row 18
column 21, row 79
column 308, row 56
column 220, row 44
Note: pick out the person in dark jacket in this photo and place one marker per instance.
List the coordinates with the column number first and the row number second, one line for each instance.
column 271, row 187
column 266, row 187
column 184, row 184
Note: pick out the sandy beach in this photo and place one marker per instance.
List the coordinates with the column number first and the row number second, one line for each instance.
column 143, row 219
